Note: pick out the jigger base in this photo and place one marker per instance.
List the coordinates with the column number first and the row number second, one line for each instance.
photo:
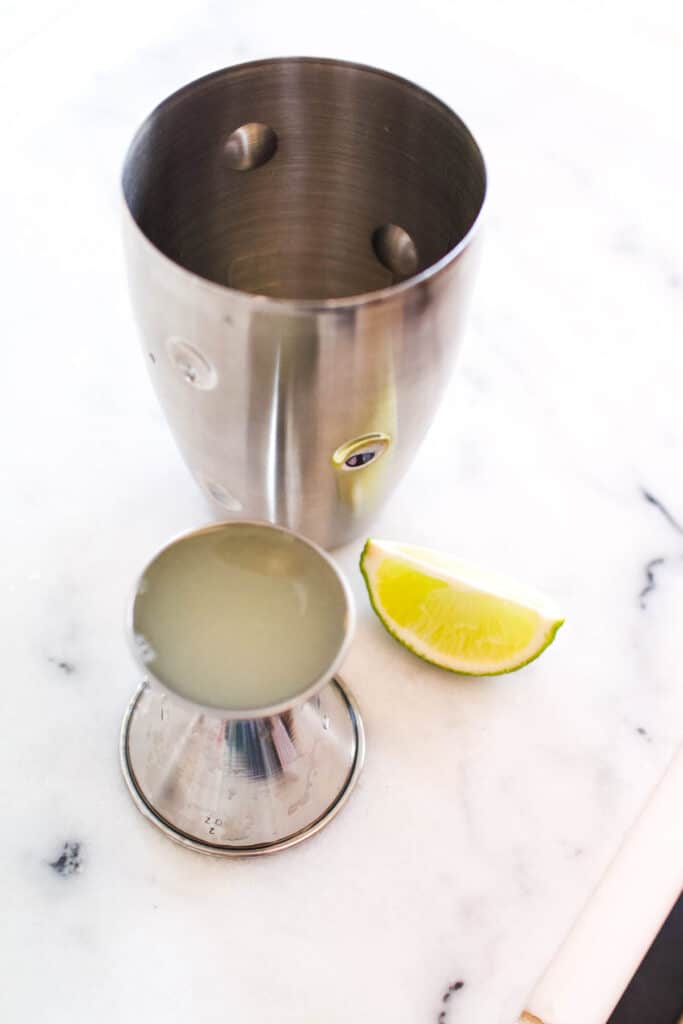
column 137, row 716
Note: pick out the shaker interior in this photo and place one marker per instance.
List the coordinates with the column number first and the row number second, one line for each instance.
column 304, row 179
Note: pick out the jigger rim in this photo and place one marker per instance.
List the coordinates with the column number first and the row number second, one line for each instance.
column 269, row 710
column 284, row 304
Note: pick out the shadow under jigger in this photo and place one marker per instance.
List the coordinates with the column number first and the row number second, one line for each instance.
column 240, row 787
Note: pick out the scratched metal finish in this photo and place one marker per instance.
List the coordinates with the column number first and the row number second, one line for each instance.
column 299, row 243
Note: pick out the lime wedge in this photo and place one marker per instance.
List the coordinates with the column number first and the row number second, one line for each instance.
column 453, row 614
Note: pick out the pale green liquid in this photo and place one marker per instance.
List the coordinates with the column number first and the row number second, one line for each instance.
column 239, row 617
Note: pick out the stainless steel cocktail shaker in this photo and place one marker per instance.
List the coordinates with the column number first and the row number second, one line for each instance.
column 300, row 246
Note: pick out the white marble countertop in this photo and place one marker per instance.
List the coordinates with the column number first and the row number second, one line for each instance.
column 487, row 809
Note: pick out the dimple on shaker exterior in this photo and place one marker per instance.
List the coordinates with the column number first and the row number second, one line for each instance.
column 301, row 245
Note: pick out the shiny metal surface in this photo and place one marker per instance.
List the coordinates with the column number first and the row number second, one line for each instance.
column 239, row 788
column 237, row 783
column 300, row 239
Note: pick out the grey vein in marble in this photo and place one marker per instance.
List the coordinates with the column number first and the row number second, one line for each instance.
column 649, row 497
column 651, row 582
column 455, row 986
column 69, row 861
column 67, row 667
column 656, row 563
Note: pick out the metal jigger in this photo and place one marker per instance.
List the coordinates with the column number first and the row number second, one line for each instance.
column 240, row 783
